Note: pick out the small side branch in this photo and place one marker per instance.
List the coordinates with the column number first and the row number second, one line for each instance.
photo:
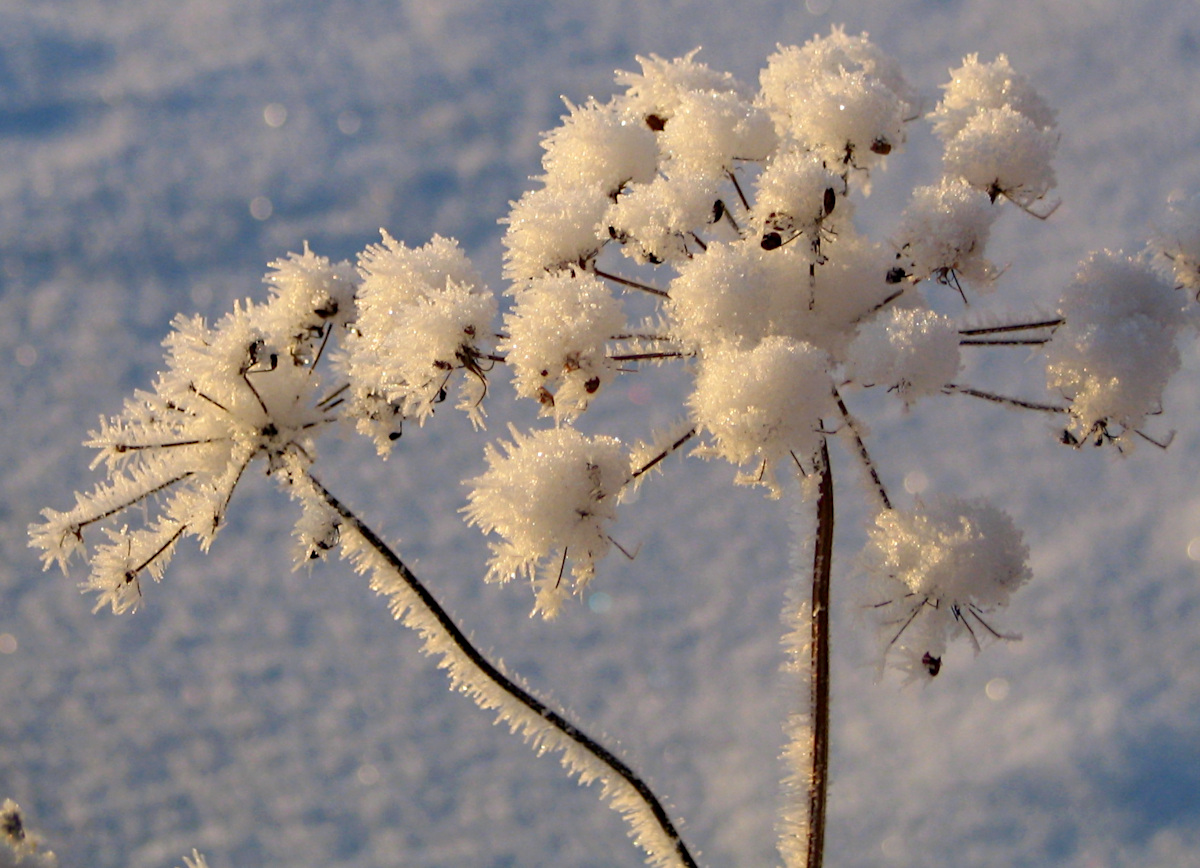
column 978, row 336
column 632, row 284
column 1004, row 399
column 638, row 357
column 1016, row 327
column 863, row 455
column 649, row 465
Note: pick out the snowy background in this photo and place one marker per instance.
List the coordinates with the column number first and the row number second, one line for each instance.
column 155, row 154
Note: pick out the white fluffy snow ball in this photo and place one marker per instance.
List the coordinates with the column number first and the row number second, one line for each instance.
column 655, row 93
column 839, row 96
column 849, row 119
column 310, row 297
column 763, row 405
column 551, row 496
column 736, row 294
column 422, row 314
column 937, row 572
column 975, row 87
column 554, row 229
column 599, row 146
column 1115, row 352
column 797, row 193
column 911, row 352
column 1176, row 244
column 655, row 220
column 791, row 69
column 1003, row 153
column 944, row 233
column 558, row 332
column 710, row 130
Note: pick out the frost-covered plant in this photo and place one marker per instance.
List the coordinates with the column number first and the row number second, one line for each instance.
column 692, row 220
column 18, row 845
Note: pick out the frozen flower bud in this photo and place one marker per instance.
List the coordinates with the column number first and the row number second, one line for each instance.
column 554, row 229
column 655, row 94
column 1003, row 153
column 849, row 119
column 791, row 68
column 710, row 130
column 654, row 222
column 558, row 333
column 231, row 393
column 733, row 294
column 975, row 87
column 938, row 570
column 798, row 194
column 599, row 147
column 911, row 352
column 1176, row 244
column 944, row 233
column 762, row 405
column 551, row 496
column 839, row 96
column 423, row 314
column 309, row 297
column 1116, row 351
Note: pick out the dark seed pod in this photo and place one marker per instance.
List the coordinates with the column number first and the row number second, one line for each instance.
column 895, row 275
column 656, row 122
column 882, row 147
column 830, row 200
column 771, row 241
column 933, row 665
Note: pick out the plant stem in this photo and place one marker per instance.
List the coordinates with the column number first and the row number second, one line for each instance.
column 819, row 672
column 503, row 682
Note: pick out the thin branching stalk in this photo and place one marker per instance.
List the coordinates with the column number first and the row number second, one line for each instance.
column 864, row 456
column 473, row 673
column 1014, row 327
column 1004, row 399
column 1010, row 342
column 684, row 438
column 632, row 284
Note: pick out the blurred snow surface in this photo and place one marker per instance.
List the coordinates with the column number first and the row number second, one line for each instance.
column 155, row 155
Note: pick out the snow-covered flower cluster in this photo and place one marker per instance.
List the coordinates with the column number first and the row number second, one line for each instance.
column 693, row 218
column 1115, row 350
column 937, row 572
column 248, row 387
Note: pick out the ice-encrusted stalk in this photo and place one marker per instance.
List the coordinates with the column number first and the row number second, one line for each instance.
column 491, row 688
column 806, row 756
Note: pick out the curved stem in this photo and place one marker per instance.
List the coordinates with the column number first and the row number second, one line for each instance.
column 497, row 679
column 819, row 664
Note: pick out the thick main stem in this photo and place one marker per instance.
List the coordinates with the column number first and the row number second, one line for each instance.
column 819, row 663
column 498, row 679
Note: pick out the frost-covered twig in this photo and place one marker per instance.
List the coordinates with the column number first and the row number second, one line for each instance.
column 1020, row 403
column 470, row 672
column 807, row 641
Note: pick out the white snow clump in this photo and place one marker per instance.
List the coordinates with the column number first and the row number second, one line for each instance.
column 551, row 492
column 937, row 573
